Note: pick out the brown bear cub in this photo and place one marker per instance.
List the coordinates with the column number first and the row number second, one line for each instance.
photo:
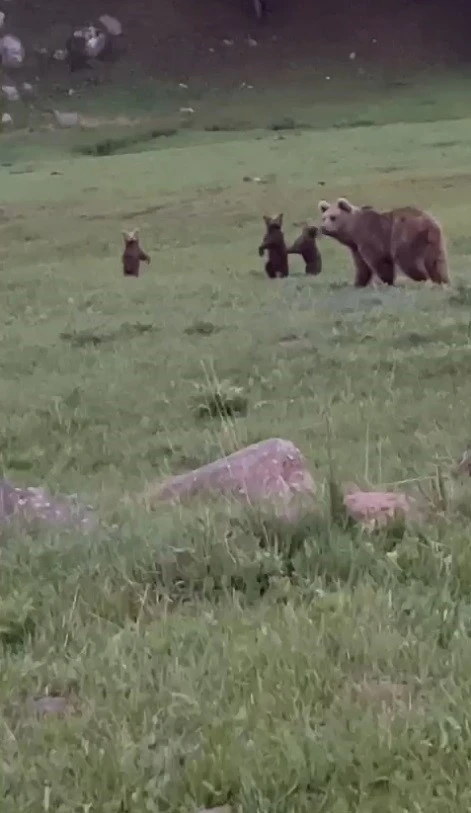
column 274, row 243
column 132, row 254
column 408, row 238
column 306, row 246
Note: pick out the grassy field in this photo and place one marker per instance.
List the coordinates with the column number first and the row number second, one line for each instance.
column 201, row 667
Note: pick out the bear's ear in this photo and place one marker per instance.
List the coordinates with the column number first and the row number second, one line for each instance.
column 323, row 206
column 126, row 236
column 344, row 205
column 278, row 219
column 134, row 234
column 267, row 220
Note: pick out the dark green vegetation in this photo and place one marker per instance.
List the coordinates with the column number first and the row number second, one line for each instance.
column 212, row 657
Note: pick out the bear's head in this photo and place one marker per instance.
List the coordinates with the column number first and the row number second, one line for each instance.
column 338, row 219
column 273, row 223
column 131, row 238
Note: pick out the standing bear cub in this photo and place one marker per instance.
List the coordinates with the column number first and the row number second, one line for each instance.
column 306, row 246
column 379, row 241
column 274, row 243
column 133, row 254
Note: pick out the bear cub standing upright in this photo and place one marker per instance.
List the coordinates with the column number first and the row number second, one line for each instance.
column 306, row 246
column 133, row 254
column 274, row 243
column 379, row 241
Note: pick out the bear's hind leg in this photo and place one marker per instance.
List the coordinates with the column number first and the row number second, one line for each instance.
column 437, row 269
column 414, row 272
column 385, row 270
column 270, row 269
column 412, row 264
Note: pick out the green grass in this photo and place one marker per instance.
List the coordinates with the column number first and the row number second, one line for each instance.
column 213, row 656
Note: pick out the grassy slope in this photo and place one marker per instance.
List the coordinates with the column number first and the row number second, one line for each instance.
column 230, row 697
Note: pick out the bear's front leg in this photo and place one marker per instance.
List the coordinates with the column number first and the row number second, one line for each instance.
column 363, row 272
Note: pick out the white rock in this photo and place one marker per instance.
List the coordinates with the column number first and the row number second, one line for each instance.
column 59, row 55
column 2, row 18
column 6, row 119
column 12, row 52
column 28, row 88
column 112, row 25
column 10, row 93
column 66, row 119
column 186, row 110
column 95, row 45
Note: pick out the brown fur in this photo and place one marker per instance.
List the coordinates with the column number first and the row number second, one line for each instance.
column 306, row 246
column 274, row 243
column 379, row 241
column 133, row 254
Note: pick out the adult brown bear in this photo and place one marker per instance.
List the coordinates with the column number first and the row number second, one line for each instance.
column 379, row 241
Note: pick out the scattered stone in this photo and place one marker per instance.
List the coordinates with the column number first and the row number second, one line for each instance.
column 273, row 470
column 11, row 93
column 7, row 119
column 463, row 465
column 223, row 809
column 183, row 85
column 111, row 25
column 251, row 42
column 186, row 110
column 60, row 55
column 96, row 44
column 49, row 704
column 12, row 53
column 377, row 509
column 66, row 119
column 33, row 504
column 228, row 42
column 28, row 88
column 382, row 693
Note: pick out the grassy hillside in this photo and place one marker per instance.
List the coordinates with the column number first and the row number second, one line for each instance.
column 320, row 670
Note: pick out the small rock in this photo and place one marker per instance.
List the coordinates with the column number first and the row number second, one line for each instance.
column 28, row 88
column 95, row 45
column 11, row 93
column 59, row 55
column 12, row 53
column 2, row 18
column 66, row 119
column 352, row 55
column 33, row 504
column 228, row 42
column 376, row 509
column 49, row 704
column 223, row 809
column 186, row 110
column 273, row 470
column 6, row 119
column 182, row 85
column 463, row 465
column 111, row 25
column 251, row 42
